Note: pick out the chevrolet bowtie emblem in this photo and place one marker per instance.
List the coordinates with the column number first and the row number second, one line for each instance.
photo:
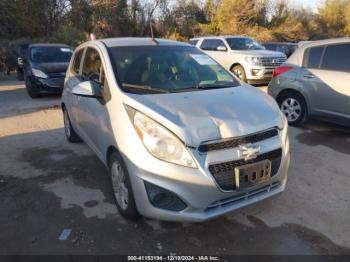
column 248, row 152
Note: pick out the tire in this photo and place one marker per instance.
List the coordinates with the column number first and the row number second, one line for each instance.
column 30, row 90
column 239, row 71
column 20, row 76
column 71, row 135
column 121, row 187
column 293, row 106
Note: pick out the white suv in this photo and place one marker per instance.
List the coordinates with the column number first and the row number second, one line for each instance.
column 243, row 56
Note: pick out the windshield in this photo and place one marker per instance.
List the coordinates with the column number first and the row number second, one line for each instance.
column 50, row 54
column 159, row 69
column 243, row 44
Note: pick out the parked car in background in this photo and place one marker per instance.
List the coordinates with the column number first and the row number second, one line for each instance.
column 45, row 68
column 243, row 56
column 21, row 53
column 285, row 48
column 182, row 138
column 314, row 82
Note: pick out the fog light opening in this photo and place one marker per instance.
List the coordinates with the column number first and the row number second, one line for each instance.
column 164, row 199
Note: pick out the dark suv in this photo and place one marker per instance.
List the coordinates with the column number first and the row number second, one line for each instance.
column 45, row 68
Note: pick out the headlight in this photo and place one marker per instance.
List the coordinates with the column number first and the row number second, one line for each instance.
column 256, row 61
column 39, row 73
column 160, row 142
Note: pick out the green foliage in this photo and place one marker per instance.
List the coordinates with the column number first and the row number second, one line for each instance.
column 68, row 35
column 71, row 21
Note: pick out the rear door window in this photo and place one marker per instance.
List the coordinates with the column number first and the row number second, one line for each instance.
column 312, row 58
column 337, row 57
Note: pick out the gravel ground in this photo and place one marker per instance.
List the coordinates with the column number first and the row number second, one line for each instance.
column 48, row 185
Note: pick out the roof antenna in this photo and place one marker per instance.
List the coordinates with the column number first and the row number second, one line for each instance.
column 152, row 35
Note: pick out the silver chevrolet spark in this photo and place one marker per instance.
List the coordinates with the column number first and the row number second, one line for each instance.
column 183, row 140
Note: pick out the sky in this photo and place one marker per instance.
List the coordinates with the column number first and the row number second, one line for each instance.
column 312, row 4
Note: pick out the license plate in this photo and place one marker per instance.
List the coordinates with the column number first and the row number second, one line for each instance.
column 251, row 174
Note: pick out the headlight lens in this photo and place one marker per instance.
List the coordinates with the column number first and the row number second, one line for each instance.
column 39, row 73
column 256, row 61
column 160, row 142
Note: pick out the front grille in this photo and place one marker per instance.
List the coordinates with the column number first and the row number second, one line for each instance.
column 273, row 61
column 223, row 173
column 55, row 82
column 235, row 142
column 244, row 196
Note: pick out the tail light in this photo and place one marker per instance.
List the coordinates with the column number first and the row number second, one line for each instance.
column 281, row 70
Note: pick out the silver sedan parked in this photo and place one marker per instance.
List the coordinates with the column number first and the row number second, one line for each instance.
column 183, row 140
column 315, row 82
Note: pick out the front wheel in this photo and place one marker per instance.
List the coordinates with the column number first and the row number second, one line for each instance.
column 121, row 186
column 71, row 135
column 239, row 71
column 293, row 106
column 30, row 90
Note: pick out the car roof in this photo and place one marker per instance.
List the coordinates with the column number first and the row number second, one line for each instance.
column 138, row 41
column 48, row 45
column 279, row 43
column 325, row 42
column 220, row 37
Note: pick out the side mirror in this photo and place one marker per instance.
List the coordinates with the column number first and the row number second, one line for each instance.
column 86, row 89
column 221, row 48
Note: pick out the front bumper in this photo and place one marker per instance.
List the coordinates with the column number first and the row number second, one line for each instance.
column 198, row 189
column 259, row 74
column 51, row 85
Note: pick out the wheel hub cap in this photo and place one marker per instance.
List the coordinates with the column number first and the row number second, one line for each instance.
column 238, row 73
column 291, row 108
column 120, row 190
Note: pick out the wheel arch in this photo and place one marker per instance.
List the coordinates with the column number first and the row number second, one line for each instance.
column 236, row 64
column 110, row 150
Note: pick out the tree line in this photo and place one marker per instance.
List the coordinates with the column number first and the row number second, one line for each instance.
column 71, row 21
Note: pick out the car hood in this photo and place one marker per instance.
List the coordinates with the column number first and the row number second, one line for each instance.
column 49, row 68
column 201, row 116
column 262, row 53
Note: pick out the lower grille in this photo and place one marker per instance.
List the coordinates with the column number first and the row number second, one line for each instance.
column 244, row 197
column 223, row 173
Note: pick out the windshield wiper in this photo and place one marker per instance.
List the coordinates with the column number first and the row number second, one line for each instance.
column 148, row 89
column 201, row 87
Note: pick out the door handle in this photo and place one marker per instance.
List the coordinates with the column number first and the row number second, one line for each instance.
column 309, row 76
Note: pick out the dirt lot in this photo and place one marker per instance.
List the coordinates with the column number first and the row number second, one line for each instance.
column 48, row 185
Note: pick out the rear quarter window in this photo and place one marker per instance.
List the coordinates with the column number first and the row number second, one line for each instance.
column 312, row 57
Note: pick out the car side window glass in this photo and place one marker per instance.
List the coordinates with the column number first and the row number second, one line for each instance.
column 211, row 44
column 337, row 57
column 92, row 67
column 76, row 62
column 193, row 42
column 313, row 57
